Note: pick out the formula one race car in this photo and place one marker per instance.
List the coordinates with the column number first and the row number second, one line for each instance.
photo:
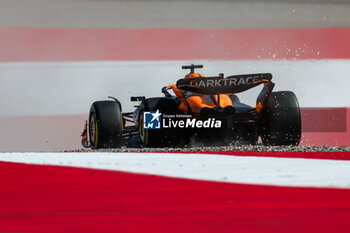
column 204, row 110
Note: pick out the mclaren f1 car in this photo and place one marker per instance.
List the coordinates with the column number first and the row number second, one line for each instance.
column 198, row 109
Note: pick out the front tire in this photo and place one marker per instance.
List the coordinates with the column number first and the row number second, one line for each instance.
column 157, row 137
column 282, row 120
column 105, row 125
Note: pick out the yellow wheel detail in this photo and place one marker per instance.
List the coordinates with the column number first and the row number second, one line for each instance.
column 93, row 131
column 96, row 135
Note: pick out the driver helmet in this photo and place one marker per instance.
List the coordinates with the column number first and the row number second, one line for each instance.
column 191, row 75
column 194, row 75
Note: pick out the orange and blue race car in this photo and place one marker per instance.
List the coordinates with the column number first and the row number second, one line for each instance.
column 198, row 110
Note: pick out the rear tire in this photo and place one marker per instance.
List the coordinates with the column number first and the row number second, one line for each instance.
column 105, row 125
column 158, row 137
column 282, row 120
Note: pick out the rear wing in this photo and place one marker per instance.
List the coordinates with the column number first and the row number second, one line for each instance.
column 219, row 85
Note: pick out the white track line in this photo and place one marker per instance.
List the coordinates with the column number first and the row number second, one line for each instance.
column 236, row 169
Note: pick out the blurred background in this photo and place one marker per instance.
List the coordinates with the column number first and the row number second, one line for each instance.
column 57, row 57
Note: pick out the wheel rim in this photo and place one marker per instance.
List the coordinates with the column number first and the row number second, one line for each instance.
column 141, row 129
column 92, row 130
